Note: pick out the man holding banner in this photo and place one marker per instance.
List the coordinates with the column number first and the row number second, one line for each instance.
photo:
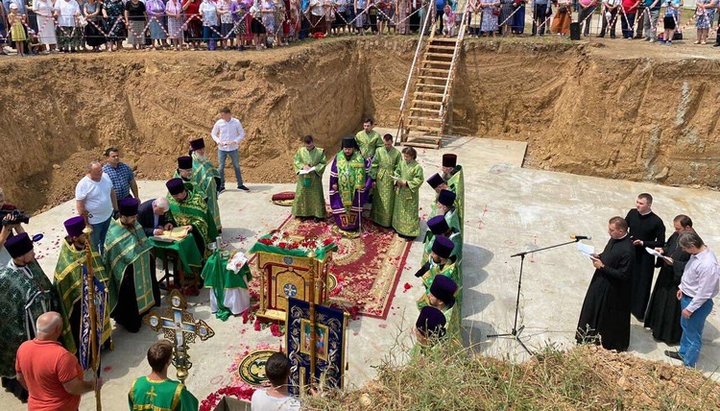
column 71, row 281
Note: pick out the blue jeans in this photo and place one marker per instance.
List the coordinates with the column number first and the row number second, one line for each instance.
column 97, row 237
column 235, row 157
column 692, row 327
column 211, row 36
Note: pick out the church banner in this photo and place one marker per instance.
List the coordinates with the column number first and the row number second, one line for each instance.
column 100, row 305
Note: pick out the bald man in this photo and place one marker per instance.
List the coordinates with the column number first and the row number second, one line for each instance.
column 50, row 373
column 95, row 200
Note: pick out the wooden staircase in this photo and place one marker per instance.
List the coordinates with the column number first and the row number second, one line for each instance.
column 424, row 120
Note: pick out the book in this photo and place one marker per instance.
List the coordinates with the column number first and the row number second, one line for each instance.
column 177, row 233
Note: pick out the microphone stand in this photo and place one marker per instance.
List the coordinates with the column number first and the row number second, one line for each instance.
column 515, row 332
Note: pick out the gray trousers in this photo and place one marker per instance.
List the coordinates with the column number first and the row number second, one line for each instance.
column 650, row 21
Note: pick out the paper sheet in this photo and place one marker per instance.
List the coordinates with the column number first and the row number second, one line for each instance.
column 653, row 252
column 308, row 171
column 586, row 250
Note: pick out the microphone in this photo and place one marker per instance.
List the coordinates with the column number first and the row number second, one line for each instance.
column 581, row 237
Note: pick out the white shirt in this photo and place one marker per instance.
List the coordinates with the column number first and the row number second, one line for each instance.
column 97, row 197
column 67, row 10
column 700, row 279
column 228, row 134
column 261, row 401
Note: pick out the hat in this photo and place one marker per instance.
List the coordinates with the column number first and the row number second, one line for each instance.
column 435, row 180
column 128, row 206
column 449, row 160
column 446, row 198
column 444, row 289
column 175, row 186
column 184, row 163
column 18, row 245
column 349, row 142
column 438, row 225
column 74, row 226
column 197, row 144
column 431, row 321
column 442, row 246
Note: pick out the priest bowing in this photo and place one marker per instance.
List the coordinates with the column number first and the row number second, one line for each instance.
column 349, row 186
column 133, row 289
column 605, row 315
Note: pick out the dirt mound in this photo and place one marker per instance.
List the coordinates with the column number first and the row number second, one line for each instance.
column 584, row 378
column 607, row 111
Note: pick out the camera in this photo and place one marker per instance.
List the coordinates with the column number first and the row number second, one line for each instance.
column 16, row 217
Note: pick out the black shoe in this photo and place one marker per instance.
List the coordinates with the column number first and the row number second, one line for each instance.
column 716, row 45
column 673, row 354
column 242, row 187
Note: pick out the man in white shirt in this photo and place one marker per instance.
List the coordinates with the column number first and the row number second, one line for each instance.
column 228, row 133
column 275, row 397
column 95, row 200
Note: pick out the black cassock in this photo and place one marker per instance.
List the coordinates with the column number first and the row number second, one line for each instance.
column 650, row 229
column 663, row 314
column 126, row 311
column 606, row 309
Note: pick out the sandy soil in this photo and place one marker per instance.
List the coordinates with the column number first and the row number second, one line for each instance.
column 610, row 108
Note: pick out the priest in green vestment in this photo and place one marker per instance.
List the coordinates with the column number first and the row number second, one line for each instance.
column 409, row 178
column 429, row 329
column 70, row 276
column 25, row 294
column 133, row 288
column 188, row 208
column 368, row 140
column 443, row 295
column 381, row 172
column 445, row 206
column 309, row 163
column 349, row 186
column 206, row 178
column 452, row 173
column 438, row 226
column 229, row 279
column 157, row 392
column 440, row 263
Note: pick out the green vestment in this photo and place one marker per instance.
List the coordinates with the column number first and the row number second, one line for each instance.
column 309, row 197
column 456, row 184
column 168, row 395
column 25, row 294
column 382, row 171
column 455, row 237
column 368, row 143
column 124, row 248
column 454, row 314
column 68, row 281
column 405, row 218
column 219, row 278
column 351, row 177
column 194, row 211
column 204, row 175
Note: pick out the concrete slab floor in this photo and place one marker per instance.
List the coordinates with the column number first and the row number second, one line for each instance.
column 508, row 209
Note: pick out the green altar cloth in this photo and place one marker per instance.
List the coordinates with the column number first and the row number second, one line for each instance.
column 219, row 278
column 186, row 249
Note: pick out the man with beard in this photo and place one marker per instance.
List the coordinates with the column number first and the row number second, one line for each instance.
column 133, row 289
column 188, row 208
column 445, row 206
column 605, row 314
column 349, row 186
column 71, row 274
column 25, row 294
column 452, row 173
column 206, row 178
column 382, row 171
column 441, row 262
column 646, row 230
column 309, row 198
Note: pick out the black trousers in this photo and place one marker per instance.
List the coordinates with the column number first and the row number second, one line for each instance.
column 539, row 24
column 613, row 19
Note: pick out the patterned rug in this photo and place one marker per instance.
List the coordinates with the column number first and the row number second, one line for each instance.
column 366, row 269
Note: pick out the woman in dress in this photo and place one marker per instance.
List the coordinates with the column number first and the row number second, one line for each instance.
column 46, row 24
column 663, row 314
column 193, row 33
column 114, row 24
column 173, row 9
column 156, row 14
column 135, row 15
column 17, row 31
column 506, row 10
column 561, row 23
column 518, row 19
column 704, row 14
column 490, row 12
column 226, row 24
column 93, row 15
column 475, row 10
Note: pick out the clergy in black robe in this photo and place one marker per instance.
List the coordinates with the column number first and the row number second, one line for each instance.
column 646, row 230
column 663, row 314
column 605, row 315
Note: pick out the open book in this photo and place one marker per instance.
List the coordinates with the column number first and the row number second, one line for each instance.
column 308, row 171
column 177, row 233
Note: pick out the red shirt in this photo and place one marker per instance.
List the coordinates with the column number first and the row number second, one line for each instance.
column 193, row 8
column 629, row 6
column 46, row 366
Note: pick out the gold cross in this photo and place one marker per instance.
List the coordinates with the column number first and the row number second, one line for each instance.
column 152, row 393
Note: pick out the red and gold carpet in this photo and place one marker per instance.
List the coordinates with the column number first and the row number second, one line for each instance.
column 367, row 268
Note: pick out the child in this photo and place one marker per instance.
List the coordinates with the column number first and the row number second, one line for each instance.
column 448, row 21
column 17, row 30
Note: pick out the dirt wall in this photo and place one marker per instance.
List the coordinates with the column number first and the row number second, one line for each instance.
column 581, row 109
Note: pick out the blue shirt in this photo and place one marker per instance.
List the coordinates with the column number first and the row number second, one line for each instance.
column 121, row 177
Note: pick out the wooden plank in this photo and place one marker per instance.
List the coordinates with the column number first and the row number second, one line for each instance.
column 428, row 119
column 435, row 70
column 443, row 55
column 424, row 93
column 425, row 110
column 433, row 78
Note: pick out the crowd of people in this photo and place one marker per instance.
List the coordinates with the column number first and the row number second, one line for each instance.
column 676, row 310
column 49, row 26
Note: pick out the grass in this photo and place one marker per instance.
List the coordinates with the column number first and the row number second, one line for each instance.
column 586, row 377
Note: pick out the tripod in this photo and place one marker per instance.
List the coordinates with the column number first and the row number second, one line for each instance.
column 515, row 332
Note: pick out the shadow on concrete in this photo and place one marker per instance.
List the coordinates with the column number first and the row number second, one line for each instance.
column 474, row 335
column 474, row 302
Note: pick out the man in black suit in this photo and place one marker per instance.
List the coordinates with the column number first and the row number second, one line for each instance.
column 152, row 216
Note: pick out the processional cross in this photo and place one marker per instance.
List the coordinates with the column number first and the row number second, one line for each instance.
column 181, row 329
